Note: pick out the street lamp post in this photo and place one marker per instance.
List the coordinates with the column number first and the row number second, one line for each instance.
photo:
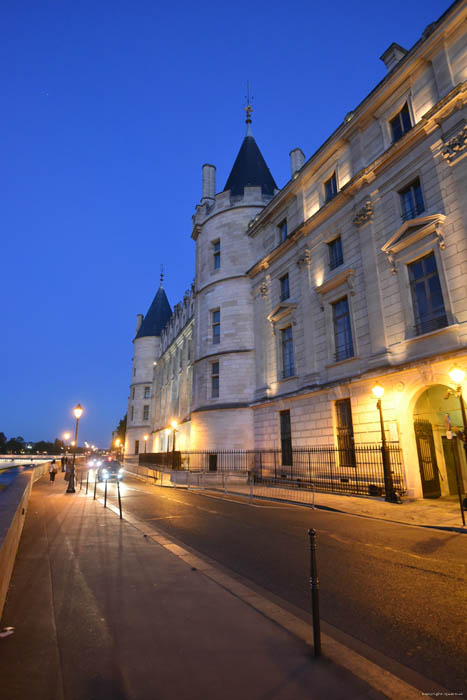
column 458, row 375
column 173, row 425
column 78, row 412
column 390, row 494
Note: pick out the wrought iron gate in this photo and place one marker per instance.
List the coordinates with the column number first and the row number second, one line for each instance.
column 427, row 459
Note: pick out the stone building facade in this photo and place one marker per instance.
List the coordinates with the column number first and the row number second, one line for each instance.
column 354, row 273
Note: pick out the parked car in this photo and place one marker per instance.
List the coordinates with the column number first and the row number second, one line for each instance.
column 110, row 471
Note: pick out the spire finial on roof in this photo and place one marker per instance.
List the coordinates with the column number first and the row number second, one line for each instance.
column 162, row 276
column 248, row 108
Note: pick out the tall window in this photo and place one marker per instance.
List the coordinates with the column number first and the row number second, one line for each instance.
column 215, row 380
column 330, row 188
column 412, row 203
column 400, row 124
column 283, row 232
column 342, row 330
column 146, row 412
column 136, row 447
column 133, row 393
column 132, row 413
column 147, row 392
column 216, row 326
column 288, row 365
column 285, row 289
column 427, row 297
column 335, row 253
column 286, row 438
column 216, row 247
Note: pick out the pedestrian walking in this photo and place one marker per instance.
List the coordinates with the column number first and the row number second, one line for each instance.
column 52, row 470
column 63, row 461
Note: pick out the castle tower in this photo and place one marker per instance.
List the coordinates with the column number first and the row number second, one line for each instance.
column 146, row 349
column 224, row 355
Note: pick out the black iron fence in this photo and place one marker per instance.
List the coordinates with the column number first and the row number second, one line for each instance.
column 355, row 469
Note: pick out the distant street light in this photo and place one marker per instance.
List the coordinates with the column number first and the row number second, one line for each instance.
column 390, row 494
column 78, row 412
column 145, row 438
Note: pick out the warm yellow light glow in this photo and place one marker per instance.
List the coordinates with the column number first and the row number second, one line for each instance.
column 145, row 437
column 378, row 390
column 174, row 424
column 78, row 411
column 457, row 375
column 117, row 442
column 73, row 443
column 167, row 430
column 66, row 436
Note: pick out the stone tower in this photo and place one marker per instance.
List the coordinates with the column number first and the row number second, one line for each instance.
column 224, row 354
column 146, row 347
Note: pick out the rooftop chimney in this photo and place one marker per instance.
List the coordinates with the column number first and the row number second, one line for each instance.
column 393, row 55
column 209, row 184
column 297, row 158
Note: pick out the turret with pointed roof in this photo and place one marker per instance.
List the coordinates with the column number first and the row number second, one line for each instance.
column 250, row 169
column 157, row 316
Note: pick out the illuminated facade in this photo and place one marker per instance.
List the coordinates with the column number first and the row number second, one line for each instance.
column 353, row 273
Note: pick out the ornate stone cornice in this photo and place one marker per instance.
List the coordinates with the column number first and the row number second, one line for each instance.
column 455, row 146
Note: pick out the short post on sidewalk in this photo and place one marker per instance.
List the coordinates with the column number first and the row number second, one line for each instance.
column 87, row 481
column 119, row 499
column 314, row 585
column 105, row 494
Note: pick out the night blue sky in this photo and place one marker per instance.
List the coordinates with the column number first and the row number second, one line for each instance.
column 110, row 108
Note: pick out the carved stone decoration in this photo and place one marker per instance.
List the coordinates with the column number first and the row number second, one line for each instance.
column 455, row 146
column 263, row 289
column 441, row 241
column 391, row 262
column 363, row 214
column 305, row 259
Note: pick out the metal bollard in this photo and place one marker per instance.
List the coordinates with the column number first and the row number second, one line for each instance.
column 95, row 483
column 81, row 481
column 314, row 585
column 119, row 499
column 105, row 494
column 87, row 481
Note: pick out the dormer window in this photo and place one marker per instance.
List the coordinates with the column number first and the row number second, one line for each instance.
column 412, row 203
column 330, row 188
column 400, row 124
column 283, row 232
column 216, row 248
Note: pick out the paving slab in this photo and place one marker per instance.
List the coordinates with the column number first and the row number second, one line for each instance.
column 100, row 611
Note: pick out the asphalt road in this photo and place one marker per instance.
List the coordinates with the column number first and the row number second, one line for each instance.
column 400, row 590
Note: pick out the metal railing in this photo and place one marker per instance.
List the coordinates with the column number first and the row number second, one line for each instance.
column 354, row 469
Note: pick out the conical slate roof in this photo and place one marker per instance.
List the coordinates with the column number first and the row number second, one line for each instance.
column 157, row 316
column 250, row 170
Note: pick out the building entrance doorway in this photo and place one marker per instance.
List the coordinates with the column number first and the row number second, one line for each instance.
column 436, row 455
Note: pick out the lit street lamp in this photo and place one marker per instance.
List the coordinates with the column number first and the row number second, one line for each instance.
column 458, row 375
column 78, row 412
column 390, row 494
column 145, row 438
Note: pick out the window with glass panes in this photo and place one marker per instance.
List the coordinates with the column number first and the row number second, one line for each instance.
column 427, row 297
column 283, row 232
column 343, row 342
column 330, row 188
column 145, row 412
column 288, row 364
column 215, row 380
column 412, row 203
column 285, row 289
column 216, row 246
column 147, row 392
column 335, row 253
column 400, row 124
column 216, row 326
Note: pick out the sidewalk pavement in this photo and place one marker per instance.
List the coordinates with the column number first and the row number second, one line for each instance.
column 102, row 611
column 441, row 513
